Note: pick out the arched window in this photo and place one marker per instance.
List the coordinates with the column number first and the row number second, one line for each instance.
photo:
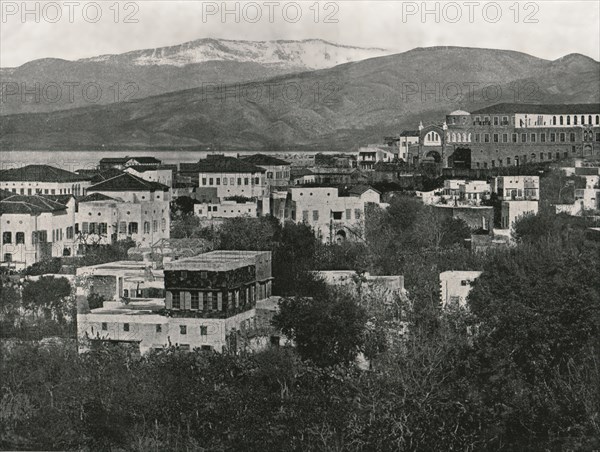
column 453, row 138
column 554, row 120
column 464, row 137
column 597, row 119
column 146, row 227
column 582, row 119
column 469, row 138
column 575, row 120
column 568, row 120
column 561, row 120
column 163, row 224
column 590, row 119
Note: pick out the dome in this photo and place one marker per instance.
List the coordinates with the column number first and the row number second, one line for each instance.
column 460, row 113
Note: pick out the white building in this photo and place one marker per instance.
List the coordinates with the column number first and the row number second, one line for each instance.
column 33, row 228
column 372, row 154
column 213, row 302
column 513, row 210
column 232, row 177
column 517, row 187
column 160, row 174
column 277, row 171
column 43, row 180
column 455, row 287
column 333, row 217
column 407, row 138
column 227, row 209
column 125, row 206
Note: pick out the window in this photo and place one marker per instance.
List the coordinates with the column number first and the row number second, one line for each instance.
column 195, row 303
column 541, row 156
column 203, row 275
column 505, row 137
column 561, row 120
column 245, row 181
column 218, row 180
column 523, row 138
column 146, row 227
column 85, row 227
column 69, row 232
column 93, row 228
column 158, row 328
column 257, row 181
column 496, row 136
column 572, row 137
column 104, row 326
column 582, row 119
column 337, row 215
column 514, row 137
column 496, row 120
column 305, row 216
column 204, row 181
column 163, row 224
column 507, row 161
column 239, row 181
column 211, row 181
column 176, row 300
column 126, row 327
column 552, row 137
column 7, row 237
column 486, row 137
column 348, row 214
column 182, row 329
column 357, row 214
column 568, row 120
column 562, row 137
column 533, row 138
column 315, row 215
column 543, row 137
column 20, row 238
column 7, row 257
column 133, row 228
column 206, row 348
column 122, row 227
column 203, row 331
column 155, row 225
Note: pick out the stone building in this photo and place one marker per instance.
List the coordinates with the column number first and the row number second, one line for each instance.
column 43, row 180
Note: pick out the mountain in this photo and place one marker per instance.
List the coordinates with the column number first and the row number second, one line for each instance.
column 106, row 79
column 337, row 108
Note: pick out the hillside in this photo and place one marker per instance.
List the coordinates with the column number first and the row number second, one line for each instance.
column 339, row 108
column 150, row 72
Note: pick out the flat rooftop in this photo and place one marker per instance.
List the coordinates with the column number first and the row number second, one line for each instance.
column 222, row 260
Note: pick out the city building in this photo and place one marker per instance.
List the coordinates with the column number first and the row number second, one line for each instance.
column 387, row 287
column 277, row 170
column 125, row 206
column 516, row 187
column 125, row 162
column 332, row 216
column 408, row 138
column 302, row 176
column 33, row 228
column 161, row 174
column 213, row 302
column 515, row 209
column 475, row 216
column 43, row 180
column 368, row 156
column 336, row 176
column 455, row 287
column 510, row 134
column 228, row 209
column 230, row 177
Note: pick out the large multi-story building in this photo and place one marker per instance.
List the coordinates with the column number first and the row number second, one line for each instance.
column 43, row 180
column 372, row 154
column 333, row 217
column 510, row 134
column 125, row 206
column 277, row 170
column 517, row 187
column 33, row 228
column 212, row 300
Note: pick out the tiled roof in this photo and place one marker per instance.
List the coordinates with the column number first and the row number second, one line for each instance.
column 111, row 160
column 219, row 164
column 5, row 193
column 127, row 182
column 146, row 160
column 40, row 173
column 34, row 204
column 360, row 189
column 101, row 176
column 300, row 172
column 61, row 199
column 144, row 168
column 97, row 197
column 549, row 109
column 262, row 159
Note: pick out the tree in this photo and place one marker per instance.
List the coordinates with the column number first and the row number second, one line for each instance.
column 48, row 295
column 326, row 330
column 183, row 205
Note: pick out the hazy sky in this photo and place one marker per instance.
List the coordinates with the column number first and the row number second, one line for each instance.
column 547, row 29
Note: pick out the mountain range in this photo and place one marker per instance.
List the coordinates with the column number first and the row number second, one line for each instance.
column 335, row 108
column 149, row 72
